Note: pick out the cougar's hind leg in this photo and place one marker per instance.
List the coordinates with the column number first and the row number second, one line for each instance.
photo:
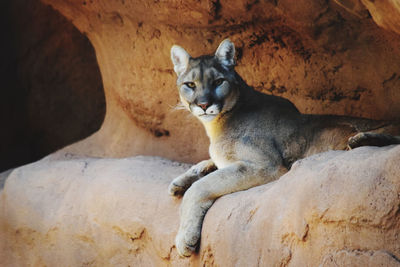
column 372, row 139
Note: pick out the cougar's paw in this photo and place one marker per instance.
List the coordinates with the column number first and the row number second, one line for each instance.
column 357, row 140
column 186, row 244
column 175, row 189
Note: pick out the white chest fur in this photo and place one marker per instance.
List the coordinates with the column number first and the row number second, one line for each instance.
column 220, row 155
column 221, row 149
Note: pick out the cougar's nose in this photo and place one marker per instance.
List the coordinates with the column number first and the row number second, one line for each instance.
column 204, row 105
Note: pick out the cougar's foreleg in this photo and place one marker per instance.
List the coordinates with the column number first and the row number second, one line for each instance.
column 180, row 184
column 202, row 194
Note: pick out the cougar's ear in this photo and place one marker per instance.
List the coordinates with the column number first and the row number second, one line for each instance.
column 226, row 53
column 180, row 58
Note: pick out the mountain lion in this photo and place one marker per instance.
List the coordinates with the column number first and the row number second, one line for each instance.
column 254, row 137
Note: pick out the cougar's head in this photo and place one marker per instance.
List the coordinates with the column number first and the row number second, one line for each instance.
column 206, row 84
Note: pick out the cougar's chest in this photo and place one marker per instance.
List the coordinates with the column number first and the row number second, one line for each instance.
column 222, row 153
column 221, row 148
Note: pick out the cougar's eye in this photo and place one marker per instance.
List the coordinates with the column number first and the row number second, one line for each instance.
column 191, row 85
column 218, row 82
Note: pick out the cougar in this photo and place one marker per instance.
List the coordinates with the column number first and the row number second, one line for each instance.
column 254, row 137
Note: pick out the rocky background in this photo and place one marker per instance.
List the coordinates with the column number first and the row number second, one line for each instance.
column 331, row 57
column 336, row 57
column 70, row 63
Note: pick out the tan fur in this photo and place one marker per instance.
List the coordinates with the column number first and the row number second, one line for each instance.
column 254, row 138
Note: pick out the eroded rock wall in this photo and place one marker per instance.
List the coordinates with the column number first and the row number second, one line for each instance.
column 327, row 57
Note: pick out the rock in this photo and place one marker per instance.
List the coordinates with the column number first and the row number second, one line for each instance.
column 99, row 212
column 325, row 56
column 332, row 209
column 386, row 13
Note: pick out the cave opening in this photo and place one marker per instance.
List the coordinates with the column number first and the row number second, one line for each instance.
column 52, row 93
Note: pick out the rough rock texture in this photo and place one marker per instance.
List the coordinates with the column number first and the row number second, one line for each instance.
column 386, row 13
column 333, row 209
column 325, row 56
column 51, row 90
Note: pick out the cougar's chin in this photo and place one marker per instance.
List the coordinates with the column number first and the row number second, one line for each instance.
column 207, row 117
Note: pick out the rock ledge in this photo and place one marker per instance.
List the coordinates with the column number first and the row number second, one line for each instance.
column 336, row 208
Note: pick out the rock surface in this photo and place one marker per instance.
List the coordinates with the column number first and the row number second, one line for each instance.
column 332, row 209
column 327, row 57
column 386, row 13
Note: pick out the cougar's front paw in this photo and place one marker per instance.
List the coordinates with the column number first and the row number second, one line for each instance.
column 186, row 243
column 175, row 189
column 179, row 185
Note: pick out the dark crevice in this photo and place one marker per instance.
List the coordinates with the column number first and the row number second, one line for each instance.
column 52, row 94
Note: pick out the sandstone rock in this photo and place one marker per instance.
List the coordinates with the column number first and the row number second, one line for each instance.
column 98, row 212
column 386, row 13
column 332, row 209
column 325, row 56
